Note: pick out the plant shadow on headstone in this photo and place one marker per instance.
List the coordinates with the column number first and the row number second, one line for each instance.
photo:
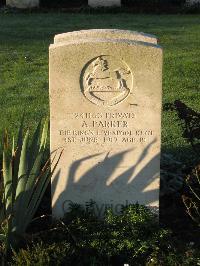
column 122, row 183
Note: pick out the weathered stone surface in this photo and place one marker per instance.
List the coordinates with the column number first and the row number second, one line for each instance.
column 106, row 34
column 105, row 105
column 101, row 3
column 22, row 3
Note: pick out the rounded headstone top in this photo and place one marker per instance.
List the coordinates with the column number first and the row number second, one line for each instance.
column 105, row 34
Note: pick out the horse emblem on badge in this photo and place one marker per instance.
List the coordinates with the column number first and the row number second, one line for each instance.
column 106, row 81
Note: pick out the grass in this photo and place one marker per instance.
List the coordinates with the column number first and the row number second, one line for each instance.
column 133, row 237
column 24, row 41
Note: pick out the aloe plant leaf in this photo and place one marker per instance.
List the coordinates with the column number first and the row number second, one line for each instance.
column 5, row 140
column 37, row 151
column 32, row 180
column 35, row 161
column 40, row 180
column 25, row 181
column 35, row 145
column 13, row 147
column 2, row 213
column 48, row 176
column 28, row 183
column 23, row 166
column 16, row 157
column 44, row 134
column 41, row 187
column 35, row 171
column 7, row 176
column 20, row 132
column 36, row 197
column 21, row 184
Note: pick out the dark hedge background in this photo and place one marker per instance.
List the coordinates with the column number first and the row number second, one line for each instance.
column 127, row 3
column 2, row 2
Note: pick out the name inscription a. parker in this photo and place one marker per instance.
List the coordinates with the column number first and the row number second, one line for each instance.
column 104, row 128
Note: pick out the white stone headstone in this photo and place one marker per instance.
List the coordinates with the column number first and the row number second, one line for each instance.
column 22, row 3
column 104, row 3
column 105, row 106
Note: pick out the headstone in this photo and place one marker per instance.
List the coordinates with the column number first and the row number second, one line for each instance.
column 104, row 3
column 105, row 106
column 23, row 4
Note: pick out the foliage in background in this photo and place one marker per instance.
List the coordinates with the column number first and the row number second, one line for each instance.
column 63, row 3
column 192, row 202
column 171, row 175
column 142, row 2
column 190, row 123
column 133, row 237
column 127, row 3
column 142, row 6
column 24, row 183
column 153, row 3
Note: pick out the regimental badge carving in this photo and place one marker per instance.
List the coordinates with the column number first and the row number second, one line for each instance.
column 106, row 81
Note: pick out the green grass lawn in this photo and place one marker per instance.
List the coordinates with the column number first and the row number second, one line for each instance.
column 24, row 41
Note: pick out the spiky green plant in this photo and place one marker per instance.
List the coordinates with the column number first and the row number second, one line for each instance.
column 24, row 182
